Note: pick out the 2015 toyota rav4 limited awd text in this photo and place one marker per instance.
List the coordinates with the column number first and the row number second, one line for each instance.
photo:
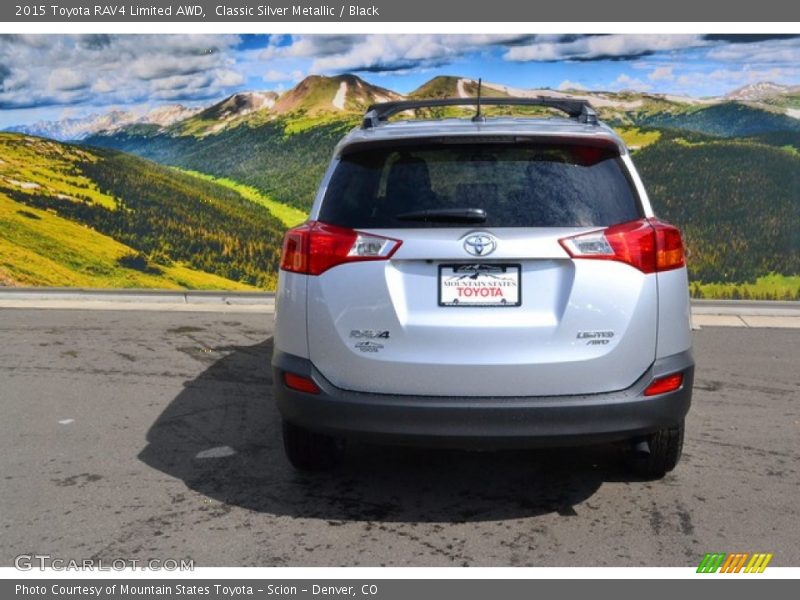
column 483, row 282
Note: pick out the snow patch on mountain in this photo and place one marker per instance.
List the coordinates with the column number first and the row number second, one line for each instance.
column 758, row 91
column 168, row 114
column 461, row 88
column 341, row 95
column 79, row 128
column 245, row 103
column 76, row 128
column 598, row 100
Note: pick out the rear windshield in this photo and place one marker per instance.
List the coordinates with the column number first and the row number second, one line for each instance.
column 530, row 185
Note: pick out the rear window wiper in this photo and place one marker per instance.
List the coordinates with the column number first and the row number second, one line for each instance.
column 445, row 215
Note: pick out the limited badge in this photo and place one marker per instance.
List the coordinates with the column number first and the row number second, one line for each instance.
column 596, row 338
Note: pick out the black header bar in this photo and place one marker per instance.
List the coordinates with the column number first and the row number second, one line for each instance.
column 474, row 11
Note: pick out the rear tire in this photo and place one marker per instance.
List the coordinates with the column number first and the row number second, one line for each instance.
column 311, row 451
column 666, row 447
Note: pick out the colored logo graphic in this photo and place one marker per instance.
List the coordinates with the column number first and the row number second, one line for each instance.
column 743, row 562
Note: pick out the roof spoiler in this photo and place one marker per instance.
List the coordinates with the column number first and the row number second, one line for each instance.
column 580, row 110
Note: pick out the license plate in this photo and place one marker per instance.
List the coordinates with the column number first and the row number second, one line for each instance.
column 481, row 284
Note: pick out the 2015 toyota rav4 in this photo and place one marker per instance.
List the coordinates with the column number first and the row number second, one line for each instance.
column 483, row 282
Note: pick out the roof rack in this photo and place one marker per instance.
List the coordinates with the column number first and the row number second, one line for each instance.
column 575, row 109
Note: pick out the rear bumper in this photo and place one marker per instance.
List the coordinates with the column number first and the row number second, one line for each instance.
column 468, row 422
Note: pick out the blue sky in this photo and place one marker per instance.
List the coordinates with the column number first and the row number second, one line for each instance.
column 50, row 77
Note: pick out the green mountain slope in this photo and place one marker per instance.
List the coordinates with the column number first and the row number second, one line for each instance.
column 342, row 93
column 726, row 120
column 40, row 248
column 448, row 86
column 287, row 215
column 234, row 109
column 783, row 139
column 737, row 202
column 281, row 148
column 144, row 224
column 280, row 162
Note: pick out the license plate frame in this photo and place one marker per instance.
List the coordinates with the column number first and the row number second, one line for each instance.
column 485, row 271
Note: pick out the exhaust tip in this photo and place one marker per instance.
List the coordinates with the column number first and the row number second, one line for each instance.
column 641, row 448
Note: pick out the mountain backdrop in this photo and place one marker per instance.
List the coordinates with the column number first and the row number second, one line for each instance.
column 199, row 197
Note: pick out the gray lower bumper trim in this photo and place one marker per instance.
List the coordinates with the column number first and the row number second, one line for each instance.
column 482, row 421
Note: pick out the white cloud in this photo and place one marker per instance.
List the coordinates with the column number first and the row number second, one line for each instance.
column 767, row 52
column 275, row 75
column 227, row 78
column 661, row 74
column 46, row 70
column 66, row 80
column 626, row 82
column 102, row 86
column 381, row 52
column 725, row 80
column 749, row 74
column 156, row 67
column 313, row 46
column 571, row 85
column 601, row 46
column 16, row 80
column 177, row 83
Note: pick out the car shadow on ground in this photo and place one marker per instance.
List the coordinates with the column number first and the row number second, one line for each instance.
column 221, row 436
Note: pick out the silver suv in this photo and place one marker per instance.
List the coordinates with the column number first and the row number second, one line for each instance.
column 483, row 282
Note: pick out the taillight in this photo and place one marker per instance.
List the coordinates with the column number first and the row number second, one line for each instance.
column 669, row 246
column 662, row 385
column 647, row 244
column 314, row 247
column 300, row 383
column 294, row 256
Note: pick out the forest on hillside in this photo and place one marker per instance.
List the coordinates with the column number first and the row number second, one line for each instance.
column 166, row 216
column 737, row 203
column 271, row 157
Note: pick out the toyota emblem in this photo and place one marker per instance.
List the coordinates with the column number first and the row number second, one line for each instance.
column 480, row 244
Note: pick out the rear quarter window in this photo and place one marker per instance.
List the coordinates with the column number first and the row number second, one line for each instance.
column 518, row 185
